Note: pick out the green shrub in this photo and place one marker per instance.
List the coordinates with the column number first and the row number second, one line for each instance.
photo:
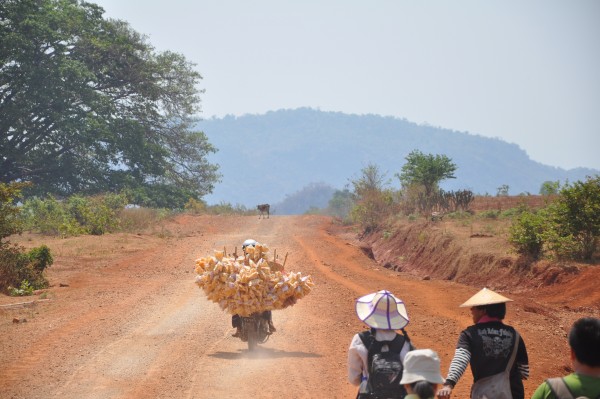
column 511, row 213
column 102, row 213
column 11, row 262
column 10, row 222
column 195, row 206
column 577, row 212
column 25, row 289
column 76, row 215
column 17, row 266
column 526, row 234
column 78, row 208
column 49, row 216
column 489, row 214
column 550, row 187
column 459, row 215
column 560, row 245
column 114, row 202
column 40, row 258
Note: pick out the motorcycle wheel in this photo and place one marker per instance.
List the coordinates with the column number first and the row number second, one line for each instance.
column 252, row 338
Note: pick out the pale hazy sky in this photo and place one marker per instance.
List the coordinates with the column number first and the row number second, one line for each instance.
column 527, row 72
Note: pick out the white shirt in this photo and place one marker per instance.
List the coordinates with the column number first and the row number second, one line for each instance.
column 358, row 368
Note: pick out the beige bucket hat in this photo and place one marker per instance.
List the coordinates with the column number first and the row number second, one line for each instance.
column 485, row 297
column 382, row 310
column 422, row 365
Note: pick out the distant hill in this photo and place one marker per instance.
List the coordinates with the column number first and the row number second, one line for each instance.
column 268, row 158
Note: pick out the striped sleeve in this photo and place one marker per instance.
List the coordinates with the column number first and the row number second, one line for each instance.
column 523, row 370
column 459, row 364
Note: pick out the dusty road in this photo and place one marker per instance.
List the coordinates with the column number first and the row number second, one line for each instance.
column 130, row 323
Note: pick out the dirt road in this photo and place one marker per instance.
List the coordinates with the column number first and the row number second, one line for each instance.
column 129, row 322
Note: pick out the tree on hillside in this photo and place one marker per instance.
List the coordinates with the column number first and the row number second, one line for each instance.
column 373, row 199
column 88, row 106
column 371, row 180
column 502, row 191
column 426, row 170
column 550, row 187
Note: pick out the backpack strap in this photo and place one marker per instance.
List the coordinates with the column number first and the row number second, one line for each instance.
column 367, row 337
column 407, row 339
column 559, row 388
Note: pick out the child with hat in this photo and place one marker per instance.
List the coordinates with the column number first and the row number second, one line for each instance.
column 421, row 374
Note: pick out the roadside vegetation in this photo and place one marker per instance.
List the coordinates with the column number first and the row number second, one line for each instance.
column 22, row 272
column 564, row 226
column 567, row 228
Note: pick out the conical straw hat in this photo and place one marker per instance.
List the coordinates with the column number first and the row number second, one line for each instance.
column 382, row 310
column 485, row 297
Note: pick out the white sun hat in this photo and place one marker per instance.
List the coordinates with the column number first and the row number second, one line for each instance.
column 421, row 365
column 382, row 310
column 485, row 297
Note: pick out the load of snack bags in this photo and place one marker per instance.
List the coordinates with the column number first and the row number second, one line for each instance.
column 249, row 283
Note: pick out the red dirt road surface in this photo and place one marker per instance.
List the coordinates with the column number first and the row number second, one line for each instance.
column 124, row 319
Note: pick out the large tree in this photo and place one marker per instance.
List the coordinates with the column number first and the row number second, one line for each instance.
column 426, row 170
column 88, row 105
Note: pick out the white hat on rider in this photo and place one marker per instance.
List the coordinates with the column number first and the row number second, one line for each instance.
column 382, row 310
column 249, row 243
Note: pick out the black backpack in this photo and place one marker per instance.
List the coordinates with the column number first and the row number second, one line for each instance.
column 385, row 366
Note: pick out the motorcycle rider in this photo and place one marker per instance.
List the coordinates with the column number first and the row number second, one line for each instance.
column 235, row 319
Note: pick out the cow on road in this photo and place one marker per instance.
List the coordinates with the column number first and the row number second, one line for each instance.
column 263, row 209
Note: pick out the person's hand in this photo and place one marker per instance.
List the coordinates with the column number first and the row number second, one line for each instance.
column 445, row 392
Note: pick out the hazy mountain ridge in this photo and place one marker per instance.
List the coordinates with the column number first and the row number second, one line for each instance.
column 265, row 158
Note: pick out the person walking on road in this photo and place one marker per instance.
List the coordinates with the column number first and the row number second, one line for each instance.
column 584, row 340
column 495, row 351
column 376, row 356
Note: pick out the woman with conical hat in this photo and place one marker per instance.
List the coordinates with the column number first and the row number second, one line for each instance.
column 384, row 313
column 490, row 347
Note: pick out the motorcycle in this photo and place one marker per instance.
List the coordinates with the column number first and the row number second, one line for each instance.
column 254, row 329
